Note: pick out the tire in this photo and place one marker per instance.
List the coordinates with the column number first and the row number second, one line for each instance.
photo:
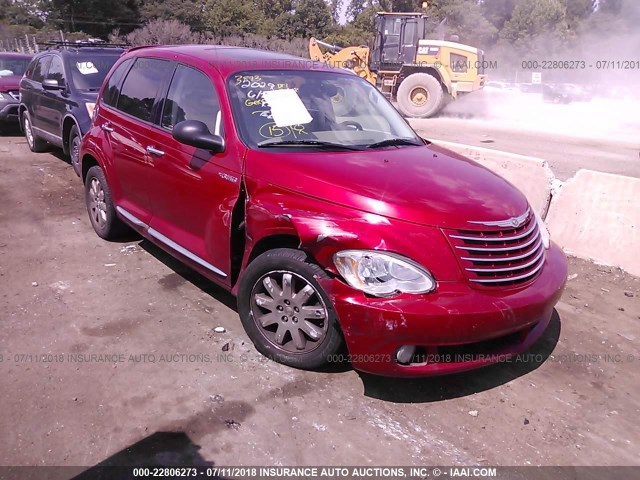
column 317, row 338
column 102, row 213
column 36, row 144
column 426, row 91
column 74, row 149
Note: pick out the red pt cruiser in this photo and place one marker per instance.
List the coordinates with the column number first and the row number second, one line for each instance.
column 299, row 188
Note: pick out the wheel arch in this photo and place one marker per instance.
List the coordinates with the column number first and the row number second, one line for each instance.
column 67, row 124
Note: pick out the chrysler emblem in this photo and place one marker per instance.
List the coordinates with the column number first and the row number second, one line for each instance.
column 513, row 222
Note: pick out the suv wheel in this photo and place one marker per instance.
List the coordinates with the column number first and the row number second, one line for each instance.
column 286, row 312
column 35, row 143
column 102, row 213
column 74, row 149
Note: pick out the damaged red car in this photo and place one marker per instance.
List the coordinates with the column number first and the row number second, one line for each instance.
column 299, row 188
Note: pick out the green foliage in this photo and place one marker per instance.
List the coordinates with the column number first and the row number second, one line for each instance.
column 309, row 18
column 96, row 17
column 506, row 29
column 188, row 12
column 229, row 17
column 465, row 19
column 533, row 19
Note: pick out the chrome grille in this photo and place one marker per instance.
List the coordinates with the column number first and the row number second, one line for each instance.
column 15, row 94
column 498, row 254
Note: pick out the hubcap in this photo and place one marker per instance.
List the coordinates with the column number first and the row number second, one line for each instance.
column 419, row 96
column 75, row 151
column 27, row 132
column 97, row 205
column 289, row 312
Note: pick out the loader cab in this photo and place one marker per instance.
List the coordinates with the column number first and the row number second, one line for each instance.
column 396, row 41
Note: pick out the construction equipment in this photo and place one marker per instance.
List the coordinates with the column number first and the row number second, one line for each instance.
column 422, row 75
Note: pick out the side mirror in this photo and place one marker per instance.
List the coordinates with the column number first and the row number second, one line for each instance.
column 51, row 84
column 196, row 134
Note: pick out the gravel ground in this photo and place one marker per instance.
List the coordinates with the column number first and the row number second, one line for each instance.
column 109, row 354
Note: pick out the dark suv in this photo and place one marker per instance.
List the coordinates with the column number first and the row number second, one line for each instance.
column 58, row 93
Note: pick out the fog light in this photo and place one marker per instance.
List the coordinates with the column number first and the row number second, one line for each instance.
column 405, row 353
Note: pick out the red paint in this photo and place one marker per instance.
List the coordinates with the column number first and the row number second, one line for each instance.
column 394, row 199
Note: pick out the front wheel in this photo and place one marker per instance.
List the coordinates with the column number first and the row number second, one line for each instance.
column 420, row 95
column 286, row 312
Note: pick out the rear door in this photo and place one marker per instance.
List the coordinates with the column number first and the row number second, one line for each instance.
column 53, row 103
column 193, row 192
column 126, row 117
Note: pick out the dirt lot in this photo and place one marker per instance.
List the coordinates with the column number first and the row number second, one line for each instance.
column 173, row 389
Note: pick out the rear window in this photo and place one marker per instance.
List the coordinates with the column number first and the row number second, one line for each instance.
column 111, row 92
column 140, row 88
column 13, row 66
column 88, row 71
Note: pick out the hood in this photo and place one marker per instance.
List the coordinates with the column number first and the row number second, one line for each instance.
column 90, row 97
column 11, row 82
column 429, row 185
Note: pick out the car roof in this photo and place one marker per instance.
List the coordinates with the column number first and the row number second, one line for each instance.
column 15, row 55
column 230, row 59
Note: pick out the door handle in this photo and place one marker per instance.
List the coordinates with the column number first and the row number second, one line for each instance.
column 154, row 151
column 106, row 127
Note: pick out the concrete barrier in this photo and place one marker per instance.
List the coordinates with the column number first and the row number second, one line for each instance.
column 596, row 216
column 531, row 175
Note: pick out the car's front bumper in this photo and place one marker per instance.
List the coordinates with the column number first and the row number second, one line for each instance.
column 457, row 327
column 8, row 111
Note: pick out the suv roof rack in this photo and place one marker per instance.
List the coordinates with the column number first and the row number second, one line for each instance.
column 83, row 44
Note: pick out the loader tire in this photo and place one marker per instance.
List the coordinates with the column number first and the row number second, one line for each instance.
column 420, row 95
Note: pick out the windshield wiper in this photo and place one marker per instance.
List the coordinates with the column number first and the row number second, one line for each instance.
column 274, row 142
column 392, row 142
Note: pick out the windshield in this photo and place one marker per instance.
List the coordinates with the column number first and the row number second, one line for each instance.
column 88, row 71
column 307, row 108
column 13, row 66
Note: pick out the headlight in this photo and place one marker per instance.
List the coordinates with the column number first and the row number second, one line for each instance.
column 382, row 273
column 544, row 232
column 5, row 96
column 90, row 108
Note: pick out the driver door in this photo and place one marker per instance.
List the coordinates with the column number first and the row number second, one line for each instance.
column 192, row 191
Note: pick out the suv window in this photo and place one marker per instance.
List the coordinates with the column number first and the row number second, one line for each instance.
column 88, row 70
column 112, row 89
column 141, row 86
column 40, row 70
column 191, row 97
column 56, row 71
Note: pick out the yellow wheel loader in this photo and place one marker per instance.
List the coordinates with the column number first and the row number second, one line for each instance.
column 421, row 75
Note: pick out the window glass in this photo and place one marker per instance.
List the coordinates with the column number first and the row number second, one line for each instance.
column 458, row 63
column 141, row 86
column 56, row 71
column 313, row 106
column 191, row 97
column 41, row 68
column 15, row 65
column 88, row 70
column 112, row 89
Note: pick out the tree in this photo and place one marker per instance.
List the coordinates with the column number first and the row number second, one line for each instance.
column 186, row 11
column 22, row 12
column 465, row 19
column 95, row 17
column 534, row 19
column 498, row 12
column 309, row 18
column 229, row 17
